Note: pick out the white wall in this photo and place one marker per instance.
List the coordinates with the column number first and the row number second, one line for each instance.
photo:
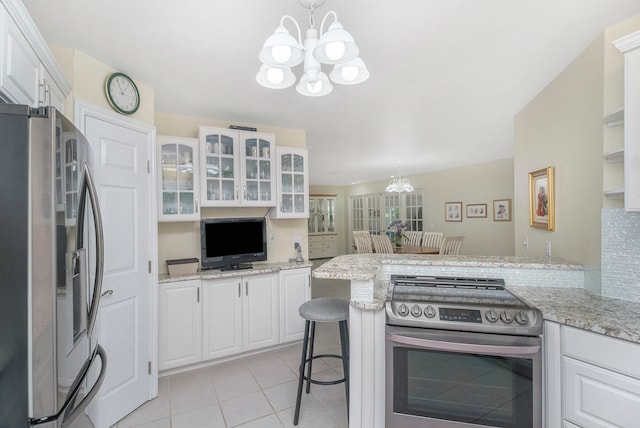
column 562, row 127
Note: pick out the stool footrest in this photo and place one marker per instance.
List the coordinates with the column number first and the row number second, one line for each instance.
column 324, row 382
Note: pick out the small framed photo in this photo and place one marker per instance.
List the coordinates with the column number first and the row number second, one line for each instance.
column 502, row 210
column 453, row 211
column 541, row 199
column 476, row 210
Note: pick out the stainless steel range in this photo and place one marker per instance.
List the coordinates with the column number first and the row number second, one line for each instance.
column 461, row 352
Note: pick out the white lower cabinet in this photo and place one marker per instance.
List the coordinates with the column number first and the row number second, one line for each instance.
column 295, row 289
column 180, row 324
column 201, row 320
column 601, row 380
column 591, row 380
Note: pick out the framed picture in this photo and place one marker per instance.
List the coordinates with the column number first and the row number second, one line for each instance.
column 453, row 211
column 502, row 210
column 476, row 210
column 541, row 199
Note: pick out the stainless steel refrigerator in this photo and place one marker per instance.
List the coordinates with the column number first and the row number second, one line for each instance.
column 51, row 264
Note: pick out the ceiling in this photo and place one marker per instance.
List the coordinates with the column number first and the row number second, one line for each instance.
column 447, row 76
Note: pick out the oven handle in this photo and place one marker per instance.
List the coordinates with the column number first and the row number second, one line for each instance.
column 469, row 348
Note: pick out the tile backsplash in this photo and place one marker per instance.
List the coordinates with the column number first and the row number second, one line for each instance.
column 620, row 264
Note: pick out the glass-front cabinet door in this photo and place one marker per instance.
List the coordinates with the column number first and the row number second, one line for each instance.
column 322, row 214
column 293, row 184
column 220, row 165
column 177, row 179
column 258, row 152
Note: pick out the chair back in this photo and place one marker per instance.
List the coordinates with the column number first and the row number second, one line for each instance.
column 432, row 239
column 382, row 244
column 362, row 241
column 451, row 245
column 413, row 237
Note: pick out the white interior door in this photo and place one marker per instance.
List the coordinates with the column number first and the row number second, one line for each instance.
column 123, row 156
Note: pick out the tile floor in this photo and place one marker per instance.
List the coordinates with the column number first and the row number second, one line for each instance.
column 253, row 392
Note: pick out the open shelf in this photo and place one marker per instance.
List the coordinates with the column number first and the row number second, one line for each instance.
column 614, row 155
column 615, row 118
column 614, row 193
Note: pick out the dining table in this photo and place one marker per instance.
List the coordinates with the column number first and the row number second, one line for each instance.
column 415, row 249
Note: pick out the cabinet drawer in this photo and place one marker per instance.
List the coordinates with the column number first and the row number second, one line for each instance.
column 608, row 352
column 595, row 397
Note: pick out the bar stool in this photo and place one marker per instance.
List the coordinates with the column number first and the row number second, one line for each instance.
column 322, row 309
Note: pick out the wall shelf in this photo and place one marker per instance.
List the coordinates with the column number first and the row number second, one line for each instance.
column 614, row 193
column 615, row 118
column 614, row 155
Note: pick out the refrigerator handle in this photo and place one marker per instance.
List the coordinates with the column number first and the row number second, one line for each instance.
column 73, row 412
column 88, row 187
column 69, row 410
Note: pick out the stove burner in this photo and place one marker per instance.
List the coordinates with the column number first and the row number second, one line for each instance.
column 466, row 304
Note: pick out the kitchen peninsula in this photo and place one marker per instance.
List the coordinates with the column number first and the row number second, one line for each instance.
column 548, row 284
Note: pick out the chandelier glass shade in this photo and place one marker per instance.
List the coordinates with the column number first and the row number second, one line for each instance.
column 399, row 184
column 335, row 46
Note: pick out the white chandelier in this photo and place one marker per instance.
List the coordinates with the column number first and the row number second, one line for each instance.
column 399, row 183
column 281, row 51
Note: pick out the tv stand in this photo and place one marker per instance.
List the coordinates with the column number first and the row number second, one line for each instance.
column 238, row 266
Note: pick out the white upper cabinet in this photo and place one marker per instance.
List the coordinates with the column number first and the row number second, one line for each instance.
column 178, row 179
column 237, row 168
column 630, row 46
column 293, row 183
column 29, row 73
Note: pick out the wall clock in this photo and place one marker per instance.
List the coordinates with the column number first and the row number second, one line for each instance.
column 122, row 93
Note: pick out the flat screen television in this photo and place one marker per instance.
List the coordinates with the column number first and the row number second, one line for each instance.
column 232, row 243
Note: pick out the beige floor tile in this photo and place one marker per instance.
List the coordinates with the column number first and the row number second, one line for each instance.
column 271, row 421
column 253, row 392
column 204, row 417
column 194, row 398
column 245, row 409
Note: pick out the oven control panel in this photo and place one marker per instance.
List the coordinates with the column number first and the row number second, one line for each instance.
column 525, row 321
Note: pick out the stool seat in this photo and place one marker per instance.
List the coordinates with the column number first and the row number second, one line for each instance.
column 325, row 309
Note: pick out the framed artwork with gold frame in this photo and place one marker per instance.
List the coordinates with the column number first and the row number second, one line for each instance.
column 541, row 199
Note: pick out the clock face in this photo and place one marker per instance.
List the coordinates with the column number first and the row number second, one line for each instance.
column 122, row 93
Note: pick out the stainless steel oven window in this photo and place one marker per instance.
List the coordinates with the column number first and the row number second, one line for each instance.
column 456, row 388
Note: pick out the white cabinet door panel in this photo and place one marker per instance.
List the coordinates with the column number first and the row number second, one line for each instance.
column 295, row 289
column 222, row 318
column 180, row 341
column 20, row 76
column 260, row 311
column 598, row 398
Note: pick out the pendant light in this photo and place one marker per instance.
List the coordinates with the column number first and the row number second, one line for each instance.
column 399, row 184
column 335, row 46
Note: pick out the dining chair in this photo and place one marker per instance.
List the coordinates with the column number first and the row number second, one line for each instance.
column 451, row 245
column 432, row 239
column 382, row 244
column 413, row 237
column 362, row 241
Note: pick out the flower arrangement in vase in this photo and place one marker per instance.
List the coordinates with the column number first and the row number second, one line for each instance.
column 397, row 227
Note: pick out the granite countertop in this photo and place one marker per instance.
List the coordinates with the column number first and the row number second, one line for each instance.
column 575, row 307
column 258, row 268
column 580, row 308
column 363, row 267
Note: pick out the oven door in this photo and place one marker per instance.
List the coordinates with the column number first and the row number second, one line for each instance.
column 444, row 379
